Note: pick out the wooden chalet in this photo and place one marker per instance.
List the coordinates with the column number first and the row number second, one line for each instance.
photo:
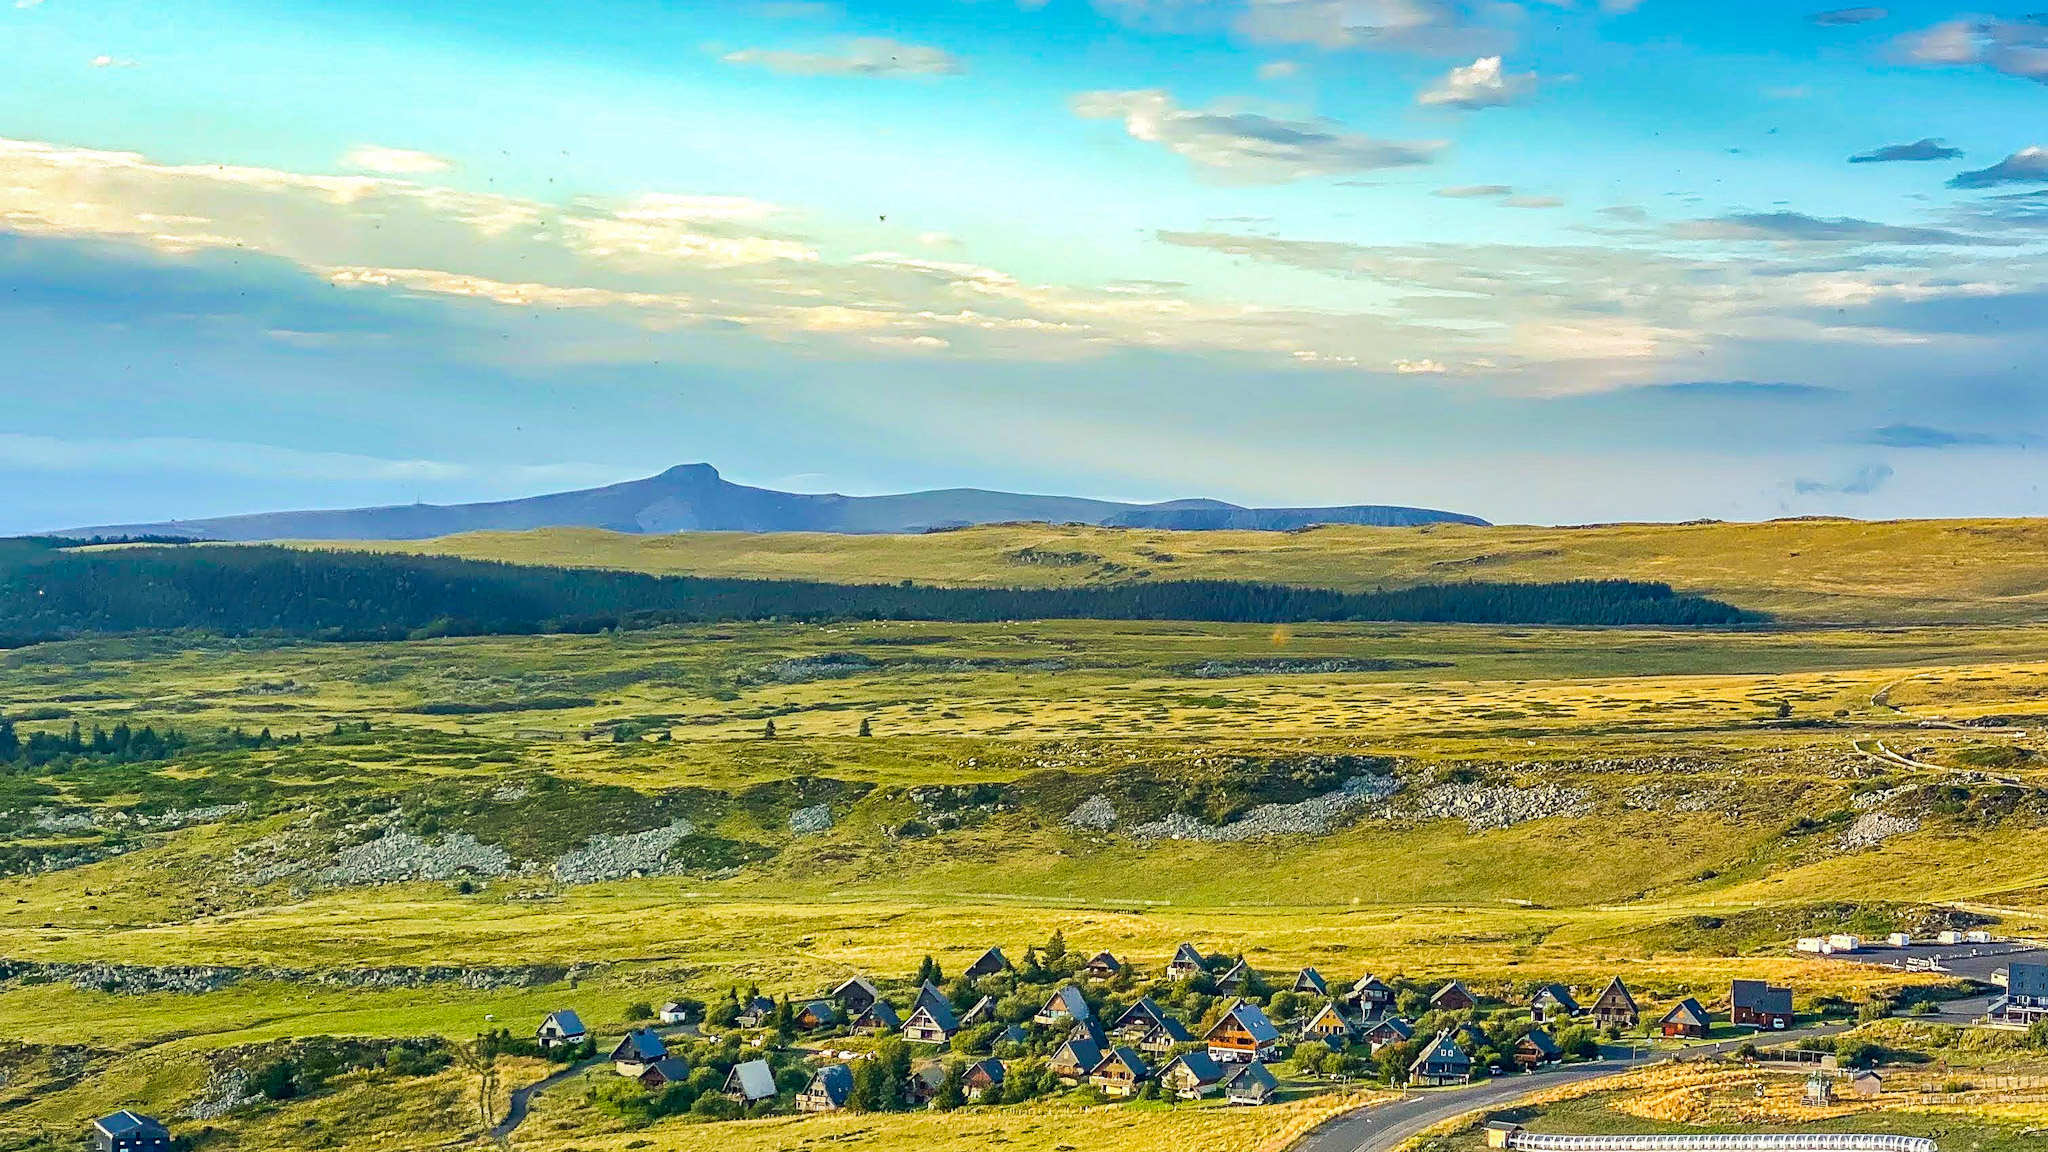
column 983, row 1011
column 667, row 1070
column 1102, row 966
column 854, row 995
column 1191, row 1076
column 828, row 1090
column 1387, row 1030
column 1074, row 1060
column 1453, row 997
column 1330, row 1024
column 1065, row 1004
column 1616, row 1007
column 981, row 1078
column 1442, row 1061
column 751, row 1082
column 1756, row 1004
column 1089, row 1028
column 928, row 993
column 636, row 1051
column 1164, row 1037
column 1243, row 1034
column 1251, row 1084
column 817, row 1014
column 932, row 1023
column 1537, row 1050
column 1139, row 1018
column 987, row 964
column 1233, row 979
column 1371, row 994
column 1553, row 1004
column 563, row 1028
column 1186, row 964
column 756, row 1013
column 1687, row 1018
column 925, row 1080
column 1122, row 1071
column 1013, row 1034
column 880, row 1017
column 1311, row 982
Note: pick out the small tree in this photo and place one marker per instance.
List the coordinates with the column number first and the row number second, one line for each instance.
column 866, row 729
column 768, row 731
column 952, row 1090
column 638, row 1011
column 1056, row 948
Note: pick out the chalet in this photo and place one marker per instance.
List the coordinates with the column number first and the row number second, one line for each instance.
column 1756, row 1004
column 1243, row 1034
column 126, row 1131
column 988, row 964
column 562, row 1029
column 854, row 995
column 751, row 1082
column 828, row 1090
column 1120, row 1073
column 1139, row 1018
column 667, row 1070
column 880, row 1017
column 932, row 1023
column 1064, row 1005
column 756, row 1013
column 1074, row 1061
column 1866, row 1083
column 1251, row 1084
column 817, row 1014
column 1191, row 1076
column 1553, row 1003
column 1329, row 1024
column 1536, row 1050
column 925, row 1081
column 1310, row 981
column 637, row 1051
column 928, row 993
column 1442, row 1062
column 1186, row 964
column 981, row 1078
column 1372, row 995
column 1686, row 1018
column 983, row 1011
column 1453, row 997
column 1616, row 1008
column 1013, row 1034
column 1164, row 1037
column 1233, row 979
column 1103, row 966
column 1090, row 1029
column 1387, row 1030
column 675, row 1012
column 2026, row 995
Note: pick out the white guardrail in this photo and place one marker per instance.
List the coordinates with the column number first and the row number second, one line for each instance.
column 1771, row 1142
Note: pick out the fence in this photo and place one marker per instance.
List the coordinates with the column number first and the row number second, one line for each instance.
column 1771, row 1142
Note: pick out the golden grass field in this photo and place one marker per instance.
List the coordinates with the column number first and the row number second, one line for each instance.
column 1717, row 774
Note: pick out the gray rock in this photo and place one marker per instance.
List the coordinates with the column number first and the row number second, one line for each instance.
column 1312, row 817
column 401, row 856
column 1095, row 814
column 810, row 821
column 617, row 857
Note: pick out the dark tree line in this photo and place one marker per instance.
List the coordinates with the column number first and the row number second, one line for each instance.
column 367, row 596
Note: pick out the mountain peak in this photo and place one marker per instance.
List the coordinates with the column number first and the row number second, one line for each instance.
column 694, row 473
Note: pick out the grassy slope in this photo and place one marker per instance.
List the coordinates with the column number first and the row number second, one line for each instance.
column 1807, row 570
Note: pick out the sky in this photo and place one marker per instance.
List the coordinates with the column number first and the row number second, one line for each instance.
column 1554, row 261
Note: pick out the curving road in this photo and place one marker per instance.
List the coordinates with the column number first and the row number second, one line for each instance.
column 1382, row 1127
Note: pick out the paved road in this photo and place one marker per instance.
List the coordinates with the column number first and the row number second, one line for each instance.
column 1380, row 1127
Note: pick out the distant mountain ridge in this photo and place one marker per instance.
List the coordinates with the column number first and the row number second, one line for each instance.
column 695, row 498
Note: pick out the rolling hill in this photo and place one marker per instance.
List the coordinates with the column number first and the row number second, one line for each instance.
column 695, row 498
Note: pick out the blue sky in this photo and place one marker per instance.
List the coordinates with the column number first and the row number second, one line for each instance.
column 1552, row 261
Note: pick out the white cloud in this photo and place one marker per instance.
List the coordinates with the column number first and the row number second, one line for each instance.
column 1480, row 84
column 873, row 56
column 1532, row 202
column 1474, row 191
column 111, row 62
column 2026, row 166
column 393, row 161
column 1279, row 69
column 2013, row 47
column 1249, row 147
column 1424, row 367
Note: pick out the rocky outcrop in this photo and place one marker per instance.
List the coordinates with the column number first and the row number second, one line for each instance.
column 1095, row 814
column 1486, row 807
column 811, row 821
column 400, row 856
column 1308, row 817
column 617, row 857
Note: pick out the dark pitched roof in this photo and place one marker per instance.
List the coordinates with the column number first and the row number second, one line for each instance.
column 127, row 1123
column 1457, row 986
column 1759, row 996
column 991, row 1068
column 669, row 1068
column 1615, row 995
column 1086, row 1054
column 823, row 1011
column 1368, row 982
column 836, row 1081
column 988, row 963
column 1174, row 1030
column 1392, row 1024
column 1204, row 1067
column 927, row 993
column 640, row 1046
column 1146, row 1009
column 1559, row 995
column 1252, row 1073
column 1687, row 1011
column 1106, row 961
column 939, row 1012
column 860, row 983
column 566, row 1021
column 754, row 1080
column 1310, row 980
column 1250, row 1018
column 880, row 1014
column 1442, row 1050
column 1068, row 999
column 983, row 1009
column 1186, row 954
column 1541, row 1041
column 1233, row 976
column 1127, row 1056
